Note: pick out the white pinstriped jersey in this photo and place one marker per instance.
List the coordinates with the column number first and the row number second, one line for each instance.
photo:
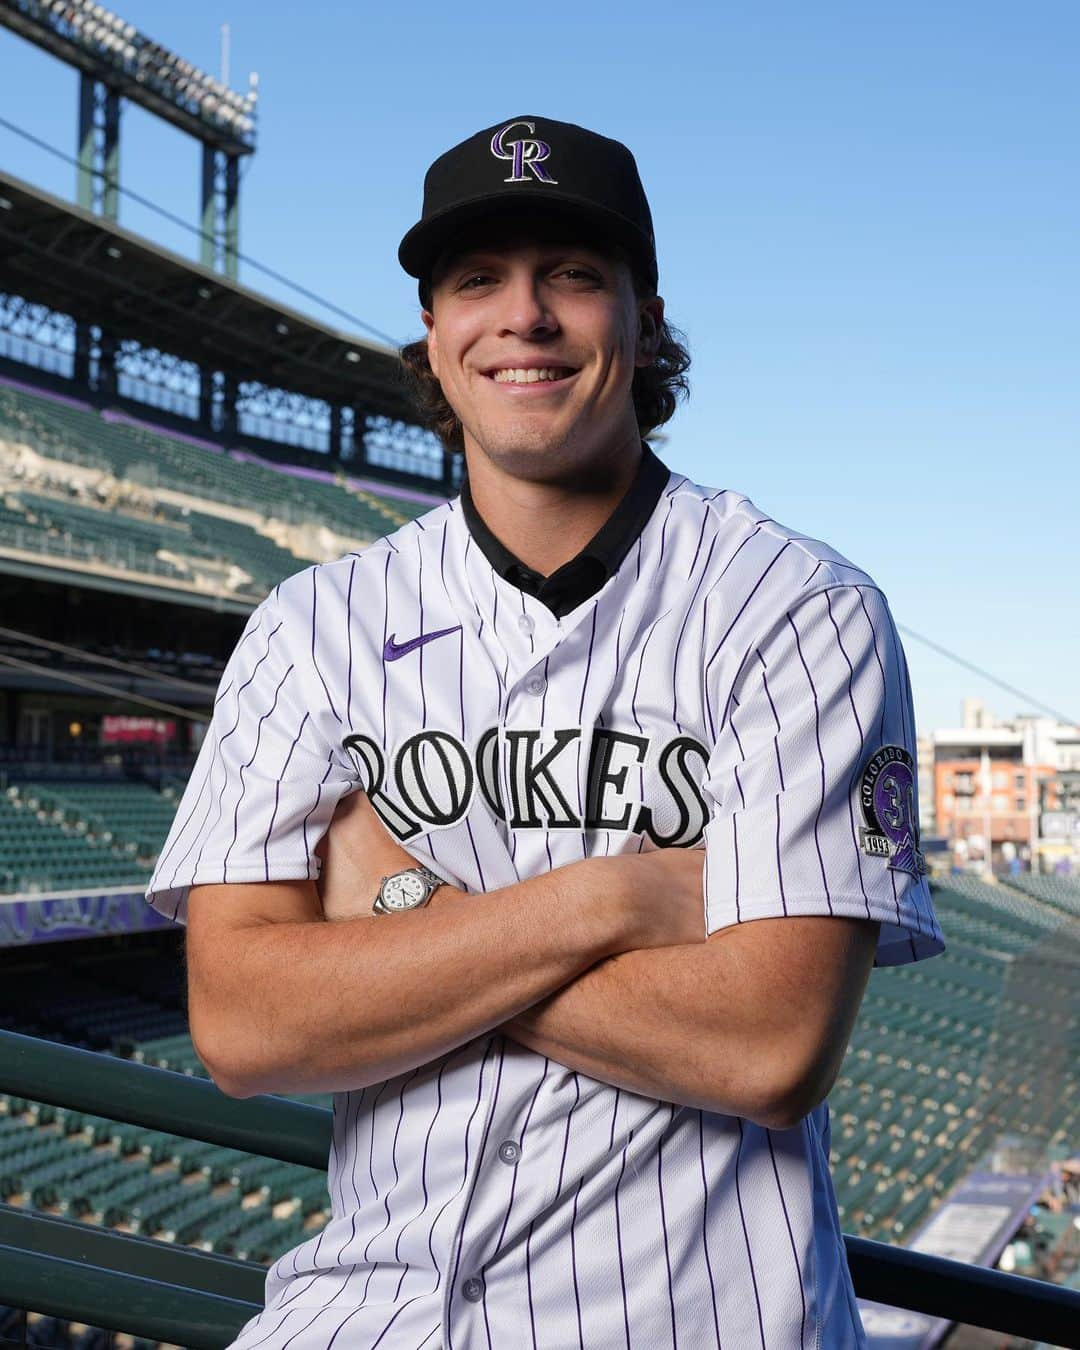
column 733, row 686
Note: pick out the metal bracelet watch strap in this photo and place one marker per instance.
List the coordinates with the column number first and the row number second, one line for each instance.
column 410, row 888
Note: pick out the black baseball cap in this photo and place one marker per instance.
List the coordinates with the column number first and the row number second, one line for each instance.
column 532, row 165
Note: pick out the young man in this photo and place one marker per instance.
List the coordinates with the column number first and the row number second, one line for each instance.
column 623, row 770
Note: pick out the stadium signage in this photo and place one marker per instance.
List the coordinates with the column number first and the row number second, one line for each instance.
column 60, row 918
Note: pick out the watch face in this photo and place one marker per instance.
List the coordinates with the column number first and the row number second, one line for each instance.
column 404, row 891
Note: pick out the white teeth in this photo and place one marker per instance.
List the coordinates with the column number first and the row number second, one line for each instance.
column 531, row 376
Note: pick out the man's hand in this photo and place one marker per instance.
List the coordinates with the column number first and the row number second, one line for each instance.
column 357, row 851
column 664, row 889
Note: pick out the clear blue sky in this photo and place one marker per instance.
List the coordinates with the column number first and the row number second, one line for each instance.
column 866, row 219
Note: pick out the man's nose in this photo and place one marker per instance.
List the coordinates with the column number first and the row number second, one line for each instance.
column 525, row 311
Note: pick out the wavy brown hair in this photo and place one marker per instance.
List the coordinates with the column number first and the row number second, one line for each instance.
column 656, row 389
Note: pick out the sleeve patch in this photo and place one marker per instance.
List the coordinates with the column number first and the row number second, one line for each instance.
column 887, row 800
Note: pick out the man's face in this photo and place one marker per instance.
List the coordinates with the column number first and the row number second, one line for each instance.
column 534, row 337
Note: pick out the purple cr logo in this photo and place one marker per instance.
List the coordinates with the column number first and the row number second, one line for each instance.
column 887, row 797
column 526, row 153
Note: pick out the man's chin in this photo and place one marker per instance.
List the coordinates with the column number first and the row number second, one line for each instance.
column 537, row 455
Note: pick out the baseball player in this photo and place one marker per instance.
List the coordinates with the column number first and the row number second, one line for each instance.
column 556, row 834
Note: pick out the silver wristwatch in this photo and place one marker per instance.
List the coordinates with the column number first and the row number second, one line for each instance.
column 409, row 889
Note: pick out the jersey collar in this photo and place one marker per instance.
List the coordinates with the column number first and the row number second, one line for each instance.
column 575, row 581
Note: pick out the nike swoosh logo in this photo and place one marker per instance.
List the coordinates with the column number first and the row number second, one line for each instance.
column 393, row 651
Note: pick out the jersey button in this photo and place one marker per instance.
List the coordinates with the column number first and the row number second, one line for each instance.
column 473, row 1290
column 509, row 1152
column 526, row 624
column 536, row 685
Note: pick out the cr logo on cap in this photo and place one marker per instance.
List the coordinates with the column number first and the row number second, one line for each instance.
column 527, row 153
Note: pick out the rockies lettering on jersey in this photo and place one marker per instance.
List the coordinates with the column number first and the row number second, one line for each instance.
column 736, row 687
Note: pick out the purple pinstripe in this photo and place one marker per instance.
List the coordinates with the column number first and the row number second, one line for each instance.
column 705, row 1228
column 247, row 765
column 397, row 1178
column 682, row 633
column 464, row 1179
column 209, row 785
column 776, row 719
column 348, row 638
column 746, row 1235
column 618, row 1241
column 821, row 757
column 881, row 727
column 314, row 662
column 423, row 1167
column 855, row 770
column 573, row 1264
column 742, row 607
column 277, row 794
column 791, row 1235
column 386, row 621
column 315, row 803
column 664, row 1229
column 909, row 736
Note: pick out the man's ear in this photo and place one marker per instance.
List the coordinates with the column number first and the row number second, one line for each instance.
column 650, row 322
column 432, row 341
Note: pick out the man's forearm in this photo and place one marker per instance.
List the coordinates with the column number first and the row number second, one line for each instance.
column 283, row 1002
column 681, row 1024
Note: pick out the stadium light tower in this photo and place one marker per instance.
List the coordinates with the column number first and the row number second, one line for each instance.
column 116, row 61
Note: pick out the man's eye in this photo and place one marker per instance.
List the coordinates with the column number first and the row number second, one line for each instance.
column 475, row 278
column 580, row 274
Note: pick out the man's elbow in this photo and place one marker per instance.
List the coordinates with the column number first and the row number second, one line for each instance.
column 795, row 1093
column 785, row 1113
column 228, row 1050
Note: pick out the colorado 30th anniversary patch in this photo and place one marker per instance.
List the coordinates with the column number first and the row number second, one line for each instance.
column 887, row 799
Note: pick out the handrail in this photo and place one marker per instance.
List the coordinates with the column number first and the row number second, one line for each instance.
column 974, row 1295
column 158, row 1290
column 84, row 1080
column 275, row 1127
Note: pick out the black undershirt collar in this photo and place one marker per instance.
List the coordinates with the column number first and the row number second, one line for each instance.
column 575, row 581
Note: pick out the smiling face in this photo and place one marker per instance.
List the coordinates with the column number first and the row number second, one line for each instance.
column 534, row 337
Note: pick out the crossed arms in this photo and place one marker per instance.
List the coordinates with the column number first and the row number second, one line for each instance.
column 291, row 990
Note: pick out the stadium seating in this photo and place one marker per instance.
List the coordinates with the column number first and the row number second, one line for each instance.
column 130, row 816
column 65, row 433
column 39, row 851
column 948, row 1054
column 83, row 1166
column 1059, row 892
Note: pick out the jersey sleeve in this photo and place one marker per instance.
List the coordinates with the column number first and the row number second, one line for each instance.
column 266, row 780
column 813, row 780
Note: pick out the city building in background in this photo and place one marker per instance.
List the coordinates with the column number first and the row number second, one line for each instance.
column 1006, row 794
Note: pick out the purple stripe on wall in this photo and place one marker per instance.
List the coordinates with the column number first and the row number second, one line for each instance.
column 65, row 399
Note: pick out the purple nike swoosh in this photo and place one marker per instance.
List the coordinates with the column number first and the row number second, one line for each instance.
column 393, row 651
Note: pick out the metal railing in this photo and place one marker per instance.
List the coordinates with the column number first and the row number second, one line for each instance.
column 193, row 1298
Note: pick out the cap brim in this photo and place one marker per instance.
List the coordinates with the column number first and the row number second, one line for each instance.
column 422, row 245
